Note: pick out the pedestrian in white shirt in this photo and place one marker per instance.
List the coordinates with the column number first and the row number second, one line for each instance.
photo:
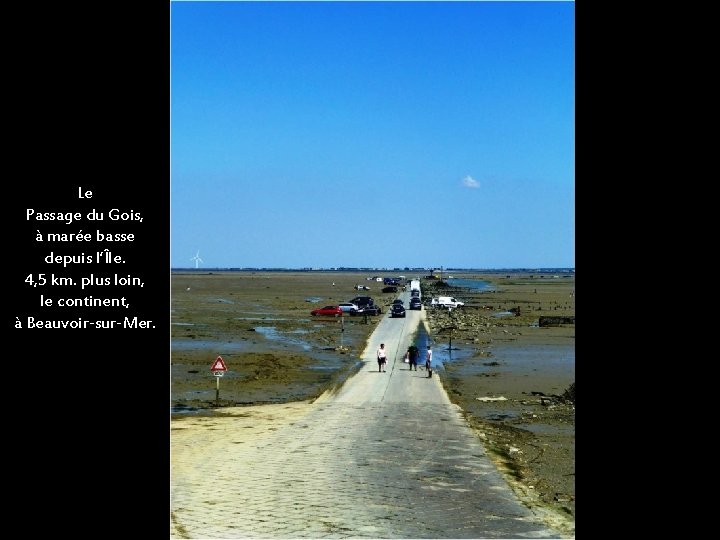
column 428, row 361
column 381, row 358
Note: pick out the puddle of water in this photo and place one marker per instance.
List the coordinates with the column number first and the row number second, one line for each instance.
column 224, row 301
column 271, row 332
column 442, row 353
column 471, row 284
column 186, row 324
column 549, row 366
column 503, row 314
column 196, row 344
column 314, row 299
column 202, row 395
column 558, row 360
column 184, row 409
column 291, row 337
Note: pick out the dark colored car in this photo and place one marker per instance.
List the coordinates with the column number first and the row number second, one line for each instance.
column 390, row 289
column 398, row 301
column 363, row 301
column 416, row 303
column 333, row 311
column 397, row 310
column 366, row 306
column 368, row 310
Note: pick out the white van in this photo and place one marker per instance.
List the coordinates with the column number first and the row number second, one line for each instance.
column 446, row 301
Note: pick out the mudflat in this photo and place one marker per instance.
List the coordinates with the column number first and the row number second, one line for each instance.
column 512, row 377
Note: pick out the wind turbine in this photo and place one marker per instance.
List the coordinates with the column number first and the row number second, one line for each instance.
column 197, row 259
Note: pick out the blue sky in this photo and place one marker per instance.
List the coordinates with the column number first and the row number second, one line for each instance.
column 373, row 134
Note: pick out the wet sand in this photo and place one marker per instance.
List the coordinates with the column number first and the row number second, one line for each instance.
column 276, row 353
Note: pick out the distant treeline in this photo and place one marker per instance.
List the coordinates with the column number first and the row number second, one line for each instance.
column 383, row 270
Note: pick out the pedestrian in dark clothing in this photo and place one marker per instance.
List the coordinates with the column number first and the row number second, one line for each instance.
column 413, row 354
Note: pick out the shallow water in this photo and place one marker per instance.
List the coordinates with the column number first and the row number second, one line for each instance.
column 442, row 350
column 552, row 360
column 211, row 345
column 271, row 333
column 472, row 284
column 523, row 368
column 204, row 395
column 184, row 409
column 556, row 360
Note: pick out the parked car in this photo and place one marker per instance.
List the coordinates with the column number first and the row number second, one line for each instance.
column 397, row 310
column 368, row 310
column 416, row 303
column 390, row 289
column 363, row 301
column 332, row 311
column 348, row 307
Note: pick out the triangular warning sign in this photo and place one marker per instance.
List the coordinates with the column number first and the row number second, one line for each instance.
column 219, row 365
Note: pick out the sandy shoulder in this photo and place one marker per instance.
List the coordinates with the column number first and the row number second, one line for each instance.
column 197, row 438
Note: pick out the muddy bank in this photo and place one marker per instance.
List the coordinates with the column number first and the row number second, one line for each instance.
column 260, row 324
column 277, row 377
column 515, row 379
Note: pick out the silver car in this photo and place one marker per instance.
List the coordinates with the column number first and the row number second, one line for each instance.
column 348, row 307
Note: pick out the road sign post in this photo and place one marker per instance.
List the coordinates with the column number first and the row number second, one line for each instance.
column 218, row 369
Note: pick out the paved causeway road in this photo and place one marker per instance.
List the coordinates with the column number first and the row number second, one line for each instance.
column 387, row 456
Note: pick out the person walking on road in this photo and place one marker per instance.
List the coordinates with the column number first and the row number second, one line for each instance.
column 428, row 361
column 381, row 358
column 413, row 354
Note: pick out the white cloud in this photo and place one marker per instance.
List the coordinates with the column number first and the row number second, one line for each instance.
column 470, row 182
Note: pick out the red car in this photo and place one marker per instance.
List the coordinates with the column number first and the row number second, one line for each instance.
column 333, row 311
